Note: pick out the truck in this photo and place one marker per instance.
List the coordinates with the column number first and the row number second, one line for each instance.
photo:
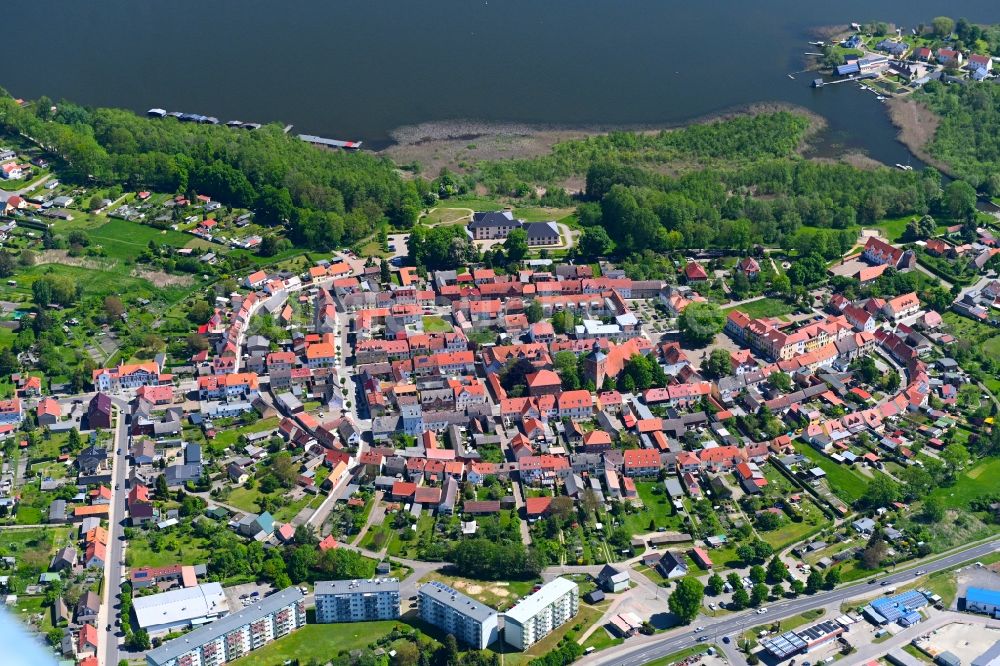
column 890, row 590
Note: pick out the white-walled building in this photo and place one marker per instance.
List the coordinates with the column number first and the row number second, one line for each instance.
column 454, row 613
column 235, row 635
column 536, row 616
column 180, row 609
column 357, row 600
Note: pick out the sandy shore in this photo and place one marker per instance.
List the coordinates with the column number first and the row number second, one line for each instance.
column 458, row 145
column 917, row 125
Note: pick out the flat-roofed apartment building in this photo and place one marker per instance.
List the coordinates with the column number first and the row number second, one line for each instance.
column 536, row 616
column 357, row 600
column 235, row 635
column 454, row 613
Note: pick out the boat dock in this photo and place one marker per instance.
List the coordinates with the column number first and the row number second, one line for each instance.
column 330, row 143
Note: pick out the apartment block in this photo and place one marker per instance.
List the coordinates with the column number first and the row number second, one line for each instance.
column 357, row 600
column 454, row 613
column 536, row 616
column 236, row 635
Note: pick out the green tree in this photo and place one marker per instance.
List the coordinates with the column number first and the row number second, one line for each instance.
column 814, row 582
column 594, row 243
column 881, row 492
column 740, row 599
column 943, row 26
column 534, row 312
column 833, row 578
column 516, row 245
column 715, row 584
column 717, row 364
column 701, row 322
column 685, row 600
column 776, row 570
column 960, row 198
column 757, row 574
column 758, row 594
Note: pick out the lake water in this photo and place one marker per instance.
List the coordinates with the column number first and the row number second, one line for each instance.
column 356, row 69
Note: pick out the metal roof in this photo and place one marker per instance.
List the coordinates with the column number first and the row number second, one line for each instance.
column 357, row 586
column 457, row 601
column 209, row 632
column 180, row 605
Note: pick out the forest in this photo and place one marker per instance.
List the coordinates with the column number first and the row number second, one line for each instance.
column 968, row 137
column 801, row 205
column 324, row 197
column 734, row 140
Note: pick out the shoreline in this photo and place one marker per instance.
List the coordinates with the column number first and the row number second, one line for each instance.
column 459, row 144
column 916, row 126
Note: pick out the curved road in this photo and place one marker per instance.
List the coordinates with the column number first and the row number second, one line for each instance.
column 646, row 649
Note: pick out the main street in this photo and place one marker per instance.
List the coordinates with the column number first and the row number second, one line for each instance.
column 107, row 625
column 648, row 648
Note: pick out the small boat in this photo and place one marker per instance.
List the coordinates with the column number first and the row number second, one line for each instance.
column 904, row 167
column 880, row 98
column 817, row 43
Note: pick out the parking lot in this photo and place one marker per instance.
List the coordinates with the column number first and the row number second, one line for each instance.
column 240, row 596
column 965, row 641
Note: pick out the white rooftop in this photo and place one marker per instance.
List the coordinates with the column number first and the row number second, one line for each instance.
column 190, row 603
column 530, row 606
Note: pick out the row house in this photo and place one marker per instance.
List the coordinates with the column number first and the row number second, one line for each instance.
column 128, row 377
column 243, row 385
column 575, row 404
column 901, row 307
column 543, row 469
column 446, row 363
column 321, row 355
column 641, row 462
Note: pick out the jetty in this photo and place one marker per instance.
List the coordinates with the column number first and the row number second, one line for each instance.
column 330, row 143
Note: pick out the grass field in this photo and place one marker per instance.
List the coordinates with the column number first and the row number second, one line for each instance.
column 174, row 550
column 973, row 482
column 126, row 240
column 436, row 325
column 657, row 509
column 893, row 228
column 844, row 482
column 229, row 437
column 34, row 547
column 792, row 532
column 444, row 216
column 765, row 307
column 601, row 639
column 319, row 642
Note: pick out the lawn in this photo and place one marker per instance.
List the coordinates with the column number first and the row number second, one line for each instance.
column 843, row 481
column 319, row 641
column 436, row 325
column 35, row 547
column 765, row 307
column 973, row 482
column 229, row 437
column 442, row 215
column 173, row 550
column 894, row 228
column 657, row 509
column 791, row 532
column 122, row 239
column 32, row 613
column 601, row 639
column 679, row 656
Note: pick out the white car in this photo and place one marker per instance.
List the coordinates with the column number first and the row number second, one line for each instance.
column 712, row 606
column 698, row 630
column 761, row 611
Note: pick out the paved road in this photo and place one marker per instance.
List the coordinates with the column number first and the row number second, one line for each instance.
column 646, row 649
column 114, row 567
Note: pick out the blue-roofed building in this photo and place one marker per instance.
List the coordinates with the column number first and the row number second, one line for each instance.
column 848, row 69
column 891, row 46
column 910, row 619
column 895, row 608
column 852, row 42
column 981, row 600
